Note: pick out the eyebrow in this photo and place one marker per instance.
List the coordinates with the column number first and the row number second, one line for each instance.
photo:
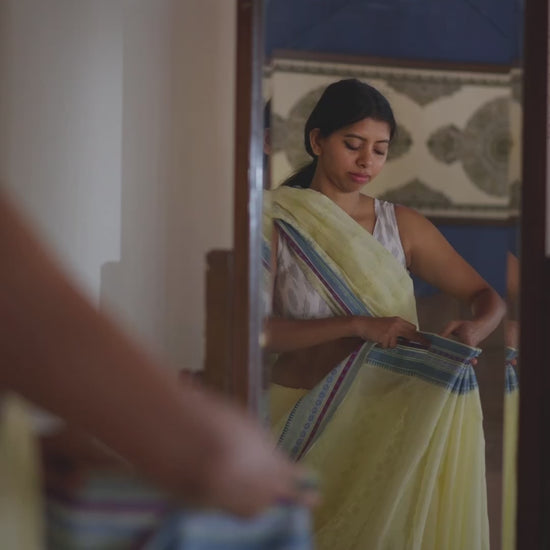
column 364, row 139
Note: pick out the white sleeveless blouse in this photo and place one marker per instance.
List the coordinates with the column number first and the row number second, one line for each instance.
column 294, row 297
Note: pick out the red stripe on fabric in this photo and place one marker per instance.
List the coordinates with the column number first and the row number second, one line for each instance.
column 297, row 249
column 328, row 402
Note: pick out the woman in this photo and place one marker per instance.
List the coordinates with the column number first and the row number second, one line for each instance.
column 394, row 430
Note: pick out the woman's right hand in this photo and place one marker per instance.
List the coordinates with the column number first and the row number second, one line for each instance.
column 242, row 472
column 386, row 331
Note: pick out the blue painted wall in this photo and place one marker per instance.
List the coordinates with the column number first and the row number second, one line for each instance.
column 481, row 31
column 483, row 246
column 463, row 31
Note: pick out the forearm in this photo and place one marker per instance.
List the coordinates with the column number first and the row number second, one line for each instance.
column 59, row 352
column 284, row 335
column 488, row 309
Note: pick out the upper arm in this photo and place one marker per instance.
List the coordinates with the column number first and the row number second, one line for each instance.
column 512, row 277
column 432, row 258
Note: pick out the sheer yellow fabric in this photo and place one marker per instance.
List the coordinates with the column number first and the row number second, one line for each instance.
column 509, row 466
column 401, row 461
column 20, row 503
column 345, row 247
column 402, row 466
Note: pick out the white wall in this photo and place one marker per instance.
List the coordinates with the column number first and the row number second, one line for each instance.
column 61, row 124
column 116, row 135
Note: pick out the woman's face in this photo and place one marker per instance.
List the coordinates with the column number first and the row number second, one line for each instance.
column 353, row 156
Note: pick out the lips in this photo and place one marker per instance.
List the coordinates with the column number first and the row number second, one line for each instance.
column 359, row 177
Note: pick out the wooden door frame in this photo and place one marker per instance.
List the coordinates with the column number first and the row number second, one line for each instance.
column 246, row 358
column 533, row 502
column 533, row 510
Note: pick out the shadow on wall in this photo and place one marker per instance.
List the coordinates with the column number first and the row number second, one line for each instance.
column 176, row 171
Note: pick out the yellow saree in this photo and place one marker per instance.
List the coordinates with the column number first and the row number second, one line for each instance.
column 21, row 510
column 509, row 465
column 395, row 435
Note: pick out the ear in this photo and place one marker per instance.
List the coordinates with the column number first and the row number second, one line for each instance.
column 315, row 140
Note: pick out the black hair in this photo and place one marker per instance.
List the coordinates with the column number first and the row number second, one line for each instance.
column 267, row 114
column 342, row 103
column 267, row 128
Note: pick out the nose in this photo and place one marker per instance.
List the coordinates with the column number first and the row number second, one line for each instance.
column 364, row 159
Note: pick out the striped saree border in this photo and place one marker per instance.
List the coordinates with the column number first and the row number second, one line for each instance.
column 511, row 378
column 369, row 269
column 117, row 513
column 314, row 410
column 266, row 255
column 285, row 527
column 445, row 363
column 333, row 283
column 109, row 511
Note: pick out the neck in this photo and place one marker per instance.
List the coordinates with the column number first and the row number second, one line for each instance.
column 348, row 202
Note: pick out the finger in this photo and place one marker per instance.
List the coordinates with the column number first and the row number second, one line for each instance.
column 450, row 328
column 296, row 479
column 421, row 339
column 303, row 490
column 414, row 336
column 407, row 326
column 467, row 339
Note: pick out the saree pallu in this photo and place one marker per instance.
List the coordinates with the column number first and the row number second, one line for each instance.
column 395, row 435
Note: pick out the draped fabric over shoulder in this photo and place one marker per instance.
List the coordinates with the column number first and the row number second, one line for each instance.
column 395, row 435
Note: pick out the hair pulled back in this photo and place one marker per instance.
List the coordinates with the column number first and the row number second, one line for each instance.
column 342, row 103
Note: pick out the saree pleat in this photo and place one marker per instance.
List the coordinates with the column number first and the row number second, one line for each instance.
column 395, row 435
column 509, row 465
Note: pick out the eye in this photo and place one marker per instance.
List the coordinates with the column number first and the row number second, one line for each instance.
column 351, row 146
column 380, row 153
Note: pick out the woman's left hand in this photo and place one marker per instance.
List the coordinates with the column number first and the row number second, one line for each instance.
column 467, row 332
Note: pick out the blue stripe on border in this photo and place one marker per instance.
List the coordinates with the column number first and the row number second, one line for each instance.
column 456, row 377
column 446, row 362
column 330, row 278
column 511, row 379
column 285, row 527
column 266, row 255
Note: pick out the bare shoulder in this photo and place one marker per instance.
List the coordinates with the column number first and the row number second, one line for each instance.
column 409, row 216
column 413, row 226
column 419, row 236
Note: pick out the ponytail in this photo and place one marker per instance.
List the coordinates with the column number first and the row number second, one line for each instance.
column 303, row 177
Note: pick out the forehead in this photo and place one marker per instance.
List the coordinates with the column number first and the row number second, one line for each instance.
column 368, row 128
